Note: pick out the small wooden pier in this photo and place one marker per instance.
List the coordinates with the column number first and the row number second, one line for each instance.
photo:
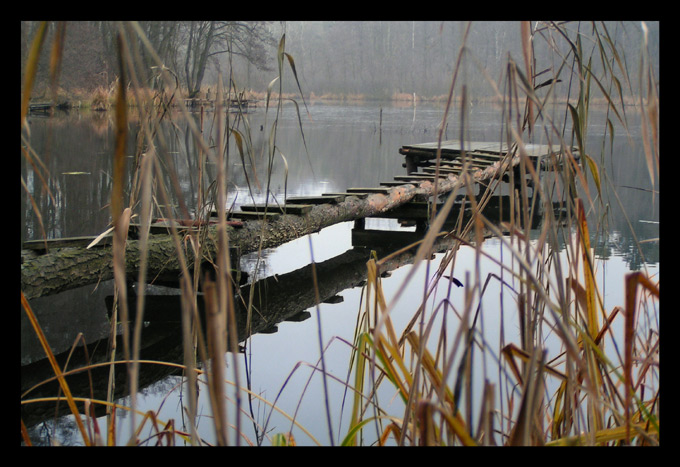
column 478, row 154
column 268, row 226
column 47, row 108
column 231, row 105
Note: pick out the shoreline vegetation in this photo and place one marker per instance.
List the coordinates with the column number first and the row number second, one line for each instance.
column 103, row 99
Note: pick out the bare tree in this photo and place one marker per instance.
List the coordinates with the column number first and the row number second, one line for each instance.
column 189, row 47
column 208, row 39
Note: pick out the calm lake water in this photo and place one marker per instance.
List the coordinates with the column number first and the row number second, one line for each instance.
column 346, row 146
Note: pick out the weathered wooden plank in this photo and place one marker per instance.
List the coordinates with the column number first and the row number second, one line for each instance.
column 452, row 148
column 156, row 228
column 367, row 238
column 73, row 242
column 392, row 184
column 334, row 299
column 461, row 162
column 473, row 161
column 456, row 146
column 418, row 176
column 369, row 190
column 344, row 195
column 414, row 210
column 297, row 209
column 254, row 215
column 315, row 199
column 443, row 169
column 491, row 156
column 160, row 228
column 40, row 106
column 299, row 317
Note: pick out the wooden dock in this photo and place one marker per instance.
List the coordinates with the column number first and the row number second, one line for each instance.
column 229, row 104
column 47, row 108
column 455, row 157
column 478, row 154
column 400, row 198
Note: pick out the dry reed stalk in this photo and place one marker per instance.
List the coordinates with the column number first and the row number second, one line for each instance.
column 633, row 280
column 31, row 70
column 55, row 367
column 216, row 324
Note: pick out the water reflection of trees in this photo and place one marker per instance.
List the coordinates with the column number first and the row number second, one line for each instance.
column 75, row 189
column 636, row 253
column 628, row 223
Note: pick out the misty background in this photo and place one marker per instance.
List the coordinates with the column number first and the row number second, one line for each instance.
column 368, row 59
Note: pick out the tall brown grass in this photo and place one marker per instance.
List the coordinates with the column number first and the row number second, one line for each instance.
column 601, row 396
column 598, row 398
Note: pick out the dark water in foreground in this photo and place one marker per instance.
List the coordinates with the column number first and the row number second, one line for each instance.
column 346, row 146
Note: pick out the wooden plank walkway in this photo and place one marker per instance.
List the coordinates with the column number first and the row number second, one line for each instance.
column 477, row 153
column 451, row 149
column 297, row 216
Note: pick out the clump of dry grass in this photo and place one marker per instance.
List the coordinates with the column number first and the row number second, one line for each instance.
column 100, row 99
column 405, row 97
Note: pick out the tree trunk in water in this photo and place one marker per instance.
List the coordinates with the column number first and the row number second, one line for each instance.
column 70, row 268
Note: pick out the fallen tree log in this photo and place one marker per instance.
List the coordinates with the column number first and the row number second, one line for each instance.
column 70, row 268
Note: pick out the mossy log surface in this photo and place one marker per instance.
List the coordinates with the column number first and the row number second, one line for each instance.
column 69, row 268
